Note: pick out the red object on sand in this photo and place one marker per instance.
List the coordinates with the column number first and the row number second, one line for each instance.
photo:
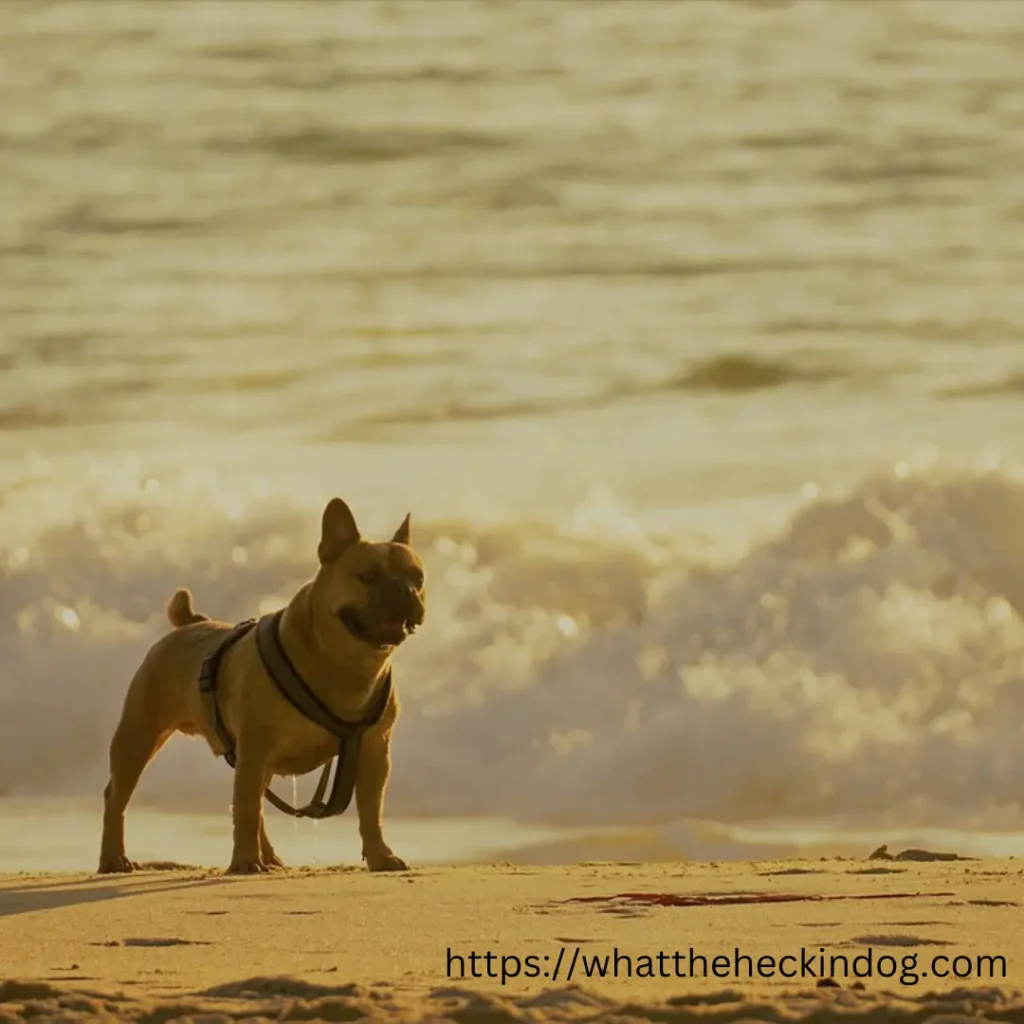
column 668, row 899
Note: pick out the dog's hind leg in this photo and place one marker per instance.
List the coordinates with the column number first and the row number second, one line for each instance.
column 136, row 742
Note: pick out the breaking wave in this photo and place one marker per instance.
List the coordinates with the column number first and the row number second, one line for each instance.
column 866, row 663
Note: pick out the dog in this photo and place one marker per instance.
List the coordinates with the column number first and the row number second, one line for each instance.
column 339, row 632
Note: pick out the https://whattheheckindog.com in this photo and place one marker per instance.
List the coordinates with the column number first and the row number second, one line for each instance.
column 571, row 963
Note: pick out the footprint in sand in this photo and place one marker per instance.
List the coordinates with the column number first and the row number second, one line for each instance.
column 161, row 943
column 876, row 871
column 897, row 940
column 791, row 871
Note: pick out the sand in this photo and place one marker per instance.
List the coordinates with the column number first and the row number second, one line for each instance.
column 344, row 944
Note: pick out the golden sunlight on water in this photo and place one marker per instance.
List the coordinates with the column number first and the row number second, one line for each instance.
column 689, row 334
column 59, row 835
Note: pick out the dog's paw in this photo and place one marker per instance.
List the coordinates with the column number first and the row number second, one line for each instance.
column 247, row 866
column 119, row 864
column 385, row 860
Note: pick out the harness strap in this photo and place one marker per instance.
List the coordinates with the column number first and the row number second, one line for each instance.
column 208, row 673
column 349, row 734
column 292, row 686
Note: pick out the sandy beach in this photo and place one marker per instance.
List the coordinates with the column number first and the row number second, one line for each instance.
column 347, row 945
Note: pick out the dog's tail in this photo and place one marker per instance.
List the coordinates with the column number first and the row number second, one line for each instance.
column 181, row 611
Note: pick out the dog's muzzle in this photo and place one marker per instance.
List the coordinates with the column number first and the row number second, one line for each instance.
column 394, row 612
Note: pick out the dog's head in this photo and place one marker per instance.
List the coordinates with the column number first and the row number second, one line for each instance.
column 375, row 592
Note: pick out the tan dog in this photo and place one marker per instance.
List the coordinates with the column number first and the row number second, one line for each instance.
column 340, row 631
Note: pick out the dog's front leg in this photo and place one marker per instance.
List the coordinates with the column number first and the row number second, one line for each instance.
column 371, row 781
column 267, row 853
column 251, row 780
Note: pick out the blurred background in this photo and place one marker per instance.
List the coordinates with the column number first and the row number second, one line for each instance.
column 689, row 334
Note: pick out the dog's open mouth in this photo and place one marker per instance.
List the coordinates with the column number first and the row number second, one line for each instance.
column 381, row 634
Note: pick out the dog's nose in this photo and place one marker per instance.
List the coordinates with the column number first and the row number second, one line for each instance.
column 395, row 590
column 401, row 595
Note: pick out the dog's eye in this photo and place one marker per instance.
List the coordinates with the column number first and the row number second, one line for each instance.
column 369, row 577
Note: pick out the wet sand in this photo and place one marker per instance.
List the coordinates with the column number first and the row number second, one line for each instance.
column 344, row 944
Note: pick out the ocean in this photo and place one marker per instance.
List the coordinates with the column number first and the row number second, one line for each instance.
column 688, row 333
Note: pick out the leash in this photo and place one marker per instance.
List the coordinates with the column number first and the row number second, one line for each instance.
column 294, row 689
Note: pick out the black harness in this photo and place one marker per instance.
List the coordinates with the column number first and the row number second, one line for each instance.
column 294, row 689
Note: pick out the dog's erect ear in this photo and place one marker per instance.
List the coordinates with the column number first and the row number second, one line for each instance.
column 404, row 533
column 338, row 531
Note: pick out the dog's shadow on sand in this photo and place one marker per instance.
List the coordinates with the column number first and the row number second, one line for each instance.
column 24, row 899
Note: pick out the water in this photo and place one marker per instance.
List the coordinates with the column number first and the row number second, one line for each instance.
column 55, row 834
column 688, row 333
